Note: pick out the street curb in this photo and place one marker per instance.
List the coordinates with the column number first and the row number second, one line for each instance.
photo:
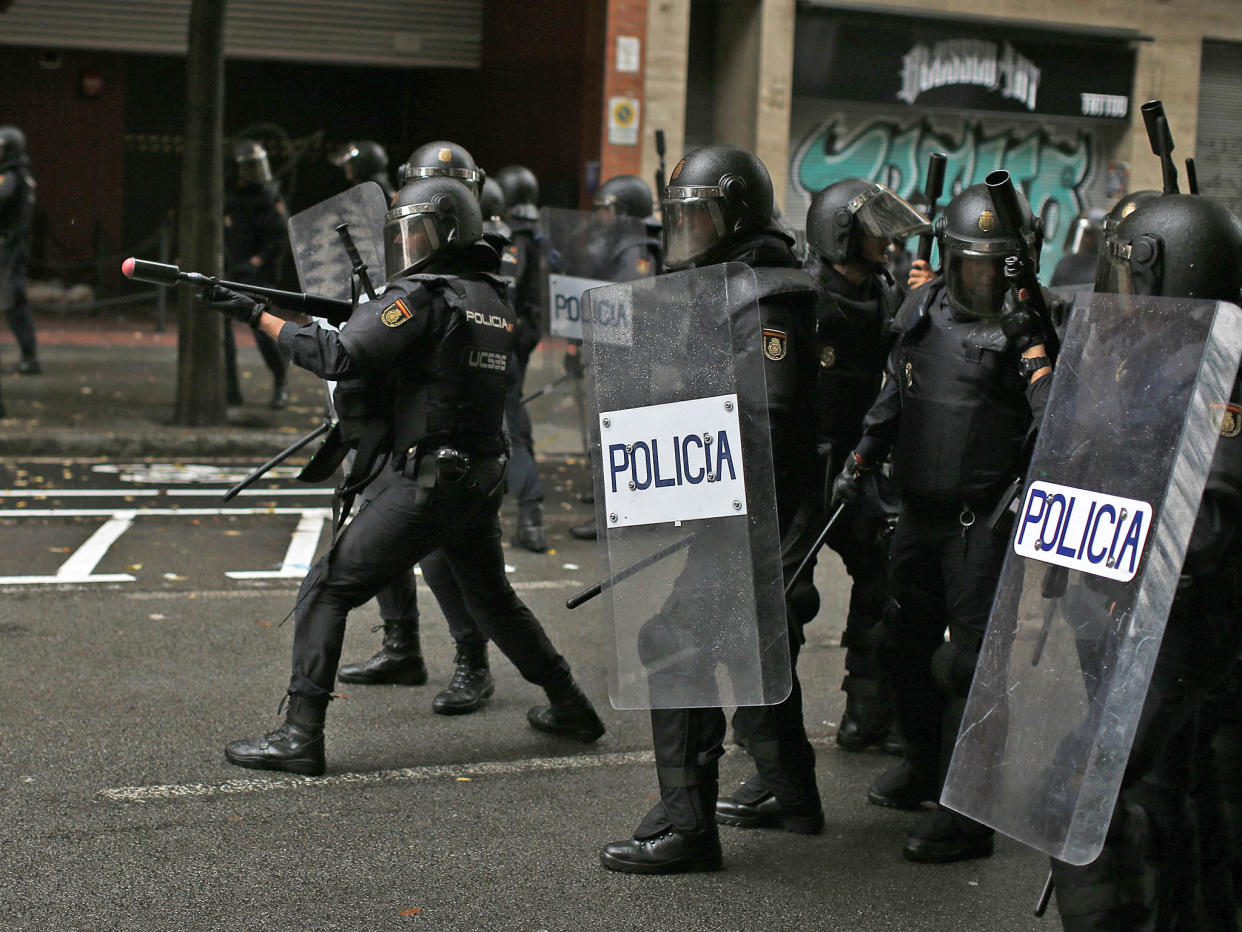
column 73, row 442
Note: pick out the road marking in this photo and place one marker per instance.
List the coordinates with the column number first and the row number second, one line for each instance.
column 146, row 794
column 266, row 784
column 301, row 552
column 154, row 493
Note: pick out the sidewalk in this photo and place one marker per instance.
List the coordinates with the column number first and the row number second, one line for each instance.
column 108, row 388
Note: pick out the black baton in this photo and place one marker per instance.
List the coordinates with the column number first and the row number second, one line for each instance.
column 278, row 458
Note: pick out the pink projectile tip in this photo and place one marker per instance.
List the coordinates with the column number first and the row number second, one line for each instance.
column 127, row 268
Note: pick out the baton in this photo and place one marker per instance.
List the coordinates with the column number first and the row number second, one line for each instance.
column 1042, row 906
column 1051, row 587
column 1192, row 177
column 819, row 542
column 360, row 267
column 595, row 589
column 661, row 184
column 279, row 458
column 547, row 388
column 932, row 191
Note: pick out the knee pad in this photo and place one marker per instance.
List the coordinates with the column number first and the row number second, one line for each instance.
column 803, row 602
column 953, row 668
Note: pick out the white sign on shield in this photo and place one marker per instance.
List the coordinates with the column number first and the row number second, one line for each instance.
column 566, row 303
column 673, row 462
column 1083, row 530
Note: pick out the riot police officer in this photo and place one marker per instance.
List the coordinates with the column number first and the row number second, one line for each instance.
column 849, row 227
column 255, row 235
column 444, row 374
column 521, row 192
column 17, row 201
column 365, row 160
column 1082, row 250
column 1156, row 870
column 621, row 254
column 399, row 659
column 718, row 208
column 954, row 413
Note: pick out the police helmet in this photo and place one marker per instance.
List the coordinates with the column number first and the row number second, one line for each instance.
column 521, row 190
column 1085, row 232
column 361, row 159
column 845, row 215
column 251, row 160
column 12, row 144
column 716, row 195
column 1175, row 245
column 974, row 250
column 441, row 158
column 430, row 218
column 625, row 196
column 492, row 200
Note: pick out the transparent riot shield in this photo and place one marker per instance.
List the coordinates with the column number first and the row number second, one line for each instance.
column 577, row 251
column 684, row 494
column 324, row 267
column 1140, row 396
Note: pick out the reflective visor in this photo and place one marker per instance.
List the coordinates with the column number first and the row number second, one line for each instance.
column 693, row 223
column 884, row 215
column 411, row 237
column 976, row 284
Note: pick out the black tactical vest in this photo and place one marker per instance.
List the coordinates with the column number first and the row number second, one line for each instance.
column 964, row 413
column 446, row 381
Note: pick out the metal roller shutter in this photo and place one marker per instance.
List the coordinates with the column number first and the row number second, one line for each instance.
column 401, row 33
column 1218, row 148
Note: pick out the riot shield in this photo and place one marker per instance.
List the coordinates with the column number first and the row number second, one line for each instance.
column 1140, row 396
column 323, row 265
column 684, row 494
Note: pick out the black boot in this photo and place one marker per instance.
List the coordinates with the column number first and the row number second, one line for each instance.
column 659, row 845
column 296, row 746
column 588, row 531
column 280, row 395
column 531, row 534
column 867, row 717
column 941, row 837
column 398, row 662
column 570, row 715
column 753, row 805
column 905, row 786
column 472, row 682
column 28, row 366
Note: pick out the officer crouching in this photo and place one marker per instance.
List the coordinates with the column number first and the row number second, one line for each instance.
column 434, row 349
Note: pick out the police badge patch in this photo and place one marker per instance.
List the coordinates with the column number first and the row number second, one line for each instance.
column 774, row 344
column 395, row 314
column 1230, row 419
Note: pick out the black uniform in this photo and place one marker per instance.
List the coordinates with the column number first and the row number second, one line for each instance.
column 853, row 340
column 520, row 263
column 17, row 201
column 256, row 235
column 445, row 377
column 689, row 742
column 955, row 414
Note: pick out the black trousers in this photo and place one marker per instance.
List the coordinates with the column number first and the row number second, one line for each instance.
column 448, row 590
column 523, row 473
column 16, row 306
column 273, row 358
column 398, row 527
column 944, row 568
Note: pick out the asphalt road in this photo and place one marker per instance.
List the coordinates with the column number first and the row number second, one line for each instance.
column 121, row 813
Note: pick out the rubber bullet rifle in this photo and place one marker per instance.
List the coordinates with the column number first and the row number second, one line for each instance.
column 1020, row 266
column 159, row 273
column 661, row 184
column 932, row 191
column 1161, row 142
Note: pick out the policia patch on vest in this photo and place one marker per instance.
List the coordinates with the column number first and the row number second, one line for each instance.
column 774, row 344
column 395, row 314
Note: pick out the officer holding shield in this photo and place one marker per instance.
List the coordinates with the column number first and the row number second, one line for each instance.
column 849, row 228
column 717, row 209
column 954, row 413
column 1158, row 868
column 436, row 344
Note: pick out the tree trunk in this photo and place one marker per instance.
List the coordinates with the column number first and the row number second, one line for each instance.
column 200, row 332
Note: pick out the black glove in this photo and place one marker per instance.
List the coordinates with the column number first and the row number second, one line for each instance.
column 1023, row 325
column 573, row 364
column 240, row 307
column 848, row 487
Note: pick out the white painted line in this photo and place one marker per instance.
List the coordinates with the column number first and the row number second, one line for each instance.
column 150, row 493
column 301, row 552
column 143, row 512
column 146, row 794
column 87, row 557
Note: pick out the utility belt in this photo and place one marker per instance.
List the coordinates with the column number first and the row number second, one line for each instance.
column 449, row 469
